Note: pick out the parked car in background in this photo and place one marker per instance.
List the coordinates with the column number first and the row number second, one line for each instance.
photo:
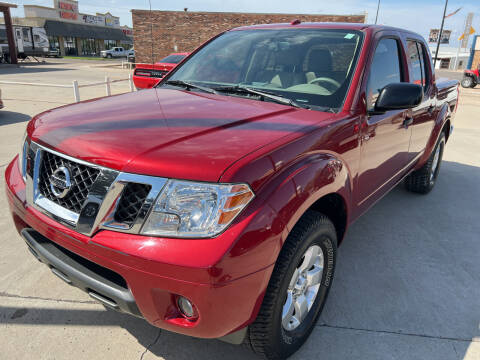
column 131, row 53
column 146, row 76
column 1, row 102
column 53, row 52
column 213, row 204
column 471, row 78
column 115, row 52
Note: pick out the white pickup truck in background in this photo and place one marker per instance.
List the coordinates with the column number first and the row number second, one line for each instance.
column 116, row 51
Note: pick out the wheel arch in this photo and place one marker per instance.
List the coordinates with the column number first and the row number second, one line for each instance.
column 321, row 183
column 441, row 122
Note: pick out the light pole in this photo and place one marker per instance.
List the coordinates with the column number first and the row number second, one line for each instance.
column 378, row 8
column 440, row 34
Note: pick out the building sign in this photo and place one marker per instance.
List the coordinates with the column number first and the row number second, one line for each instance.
column 68, row 15
column 67, row 6
column 67, row 9
column 128, row 32
column 467, row 32
column 93, row 19
column 433, row 37
column 111, row 20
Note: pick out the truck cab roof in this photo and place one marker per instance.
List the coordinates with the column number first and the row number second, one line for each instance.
column 325, row 25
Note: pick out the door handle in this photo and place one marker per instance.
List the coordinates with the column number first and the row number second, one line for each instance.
column 407, row 122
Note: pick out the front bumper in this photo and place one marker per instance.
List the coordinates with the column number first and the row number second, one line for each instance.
column 226, row 283
column 101, row 284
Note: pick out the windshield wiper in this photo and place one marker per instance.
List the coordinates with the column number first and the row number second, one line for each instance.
column 189, row 85
column 264, row 94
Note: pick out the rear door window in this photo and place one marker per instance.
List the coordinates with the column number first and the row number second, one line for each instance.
column 424, row 59
column 419, row 70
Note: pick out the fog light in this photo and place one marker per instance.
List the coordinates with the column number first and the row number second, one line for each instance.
column 186, row 307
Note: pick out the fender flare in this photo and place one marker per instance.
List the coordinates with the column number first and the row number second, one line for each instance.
column 307, row 181
column 442, row 118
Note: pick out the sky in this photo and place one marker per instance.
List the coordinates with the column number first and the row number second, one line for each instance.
column 416, row 15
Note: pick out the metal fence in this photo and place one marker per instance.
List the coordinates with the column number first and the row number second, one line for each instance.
column 75, row 86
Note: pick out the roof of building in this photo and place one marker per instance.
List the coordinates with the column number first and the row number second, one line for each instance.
column 61, row 28
column 2, row 4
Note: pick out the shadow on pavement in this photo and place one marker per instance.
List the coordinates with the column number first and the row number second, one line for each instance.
column 11, row 117
column 27, row 70
column 407, row 285
column 160, row 342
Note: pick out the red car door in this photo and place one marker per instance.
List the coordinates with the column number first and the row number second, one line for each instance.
column 384, row 137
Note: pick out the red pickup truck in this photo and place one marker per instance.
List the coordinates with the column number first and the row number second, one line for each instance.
column 213, row 204
column 146, row 76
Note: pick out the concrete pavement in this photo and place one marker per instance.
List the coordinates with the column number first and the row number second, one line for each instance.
column 407, row 284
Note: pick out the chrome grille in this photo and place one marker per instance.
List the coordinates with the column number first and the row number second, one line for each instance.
column 83, row 177
column 131, row 203
column 97, row 197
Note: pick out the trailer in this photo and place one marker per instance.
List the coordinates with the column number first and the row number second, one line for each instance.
column 29, row 41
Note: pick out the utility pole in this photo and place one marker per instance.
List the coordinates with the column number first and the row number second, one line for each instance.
column 378, row 8
column 440, row 34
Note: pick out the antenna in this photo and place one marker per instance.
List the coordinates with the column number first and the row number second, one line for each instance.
column 378, row 8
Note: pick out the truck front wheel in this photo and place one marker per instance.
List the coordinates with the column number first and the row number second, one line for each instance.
column 109, row 56
column 423, row 180
column 297, row 290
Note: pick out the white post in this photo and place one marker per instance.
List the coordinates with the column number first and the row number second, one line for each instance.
column 76, row 91
column 107, row 86
column 456, row 58
column 130, row 81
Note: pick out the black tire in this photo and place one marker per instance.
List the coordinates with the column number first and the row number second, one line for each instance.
column 267, row 337
column 109, row 56
column 467, row 82
column 423, row 180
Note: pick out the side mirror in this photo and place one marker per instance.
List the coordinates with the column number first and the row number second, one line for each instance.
column 399, row 96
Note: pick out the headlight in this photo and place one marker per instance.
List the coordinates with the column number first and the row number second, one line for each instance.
column 190, row 209
column 22, row 157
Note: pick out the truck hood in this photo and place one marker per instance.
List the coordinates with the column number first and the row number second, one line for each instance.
column 169, row 133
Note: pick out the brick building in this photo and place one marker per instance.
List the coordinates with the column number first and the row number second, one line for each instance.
column 179, row 31
column 475, row 53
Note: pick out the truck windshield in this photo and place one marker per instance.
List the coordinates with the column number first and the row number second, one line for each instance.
column 312, row 67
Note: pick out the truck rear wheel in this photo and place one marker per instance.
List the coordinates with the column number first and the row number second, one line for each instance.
column 423, row 180
column 297, row 290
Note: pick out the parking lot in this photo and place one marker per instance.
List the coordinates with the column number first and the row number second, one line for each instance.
column 407, row 284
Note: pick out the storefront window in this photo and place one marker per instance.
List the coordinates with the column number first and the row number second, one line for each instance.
column 70, row 45
column 54, row 43
column 89, row 47
column 110, row 44
column 126, row 46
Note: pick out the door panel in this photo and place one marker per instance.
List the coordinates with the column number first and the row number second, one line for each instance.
column 385, row 139
column 385, row 142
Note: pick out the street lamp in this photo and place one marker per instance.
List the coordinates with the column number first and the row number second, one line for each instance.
column 440, row 34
